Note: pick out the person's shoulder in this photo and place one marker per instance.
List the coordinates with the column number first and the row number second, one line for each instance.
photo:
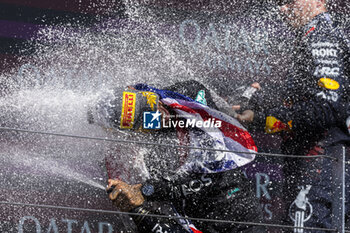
column 323, row 27
column 322, row 34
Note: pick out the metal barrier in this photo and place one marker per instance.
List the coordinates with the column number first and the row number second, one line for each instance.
column 165, row 216
column 338, row 208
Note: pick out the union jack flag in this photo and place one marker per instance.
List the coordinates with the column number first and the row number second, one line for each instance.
column 230, row 135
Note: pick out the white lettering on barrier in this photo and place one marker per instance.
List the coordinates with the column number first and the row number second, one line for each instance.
column 262, row 186
column 69, row 224
column 101, row 227
column 182, row 32
column 262, row 191
column 36, row 221
column 268, row 211
column 85, row 228
column 226, row 38
column 212, row 35
column 53, row 228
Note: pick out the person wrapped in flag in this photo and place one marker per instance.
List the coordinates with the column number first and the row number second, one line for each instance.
column 178, row 181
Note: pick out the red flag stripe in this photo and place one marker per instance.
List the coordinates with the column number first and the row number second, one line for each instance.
column 229, row 130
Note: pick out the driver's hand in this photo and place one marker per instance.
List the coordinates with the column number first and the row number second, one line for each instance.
column 256, row 85
column 126, row 197
column 246, row 117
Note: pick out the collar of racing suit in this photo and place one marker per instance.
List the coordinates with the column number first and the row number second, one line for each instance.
column 314, row 23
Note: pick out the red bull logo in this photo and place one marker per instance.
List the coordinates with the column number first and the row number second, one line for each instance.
column 273, row 125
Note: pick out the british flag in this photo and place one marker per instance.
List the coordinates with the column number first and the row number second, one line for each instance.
column 229, row 135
